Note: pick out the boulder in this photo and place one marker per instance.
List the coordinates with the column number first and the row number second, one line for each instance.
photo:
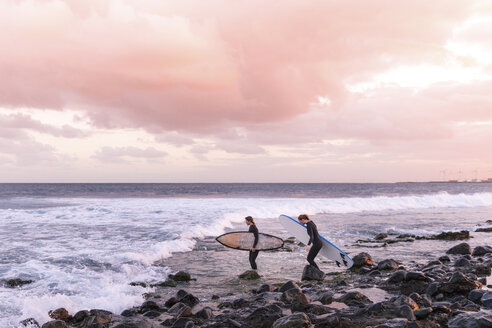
column 289, row 295
column 381, row 236
column 205, row 313
column 484, row 229
column 300, row 302
column 265, row 316
column 388, row 264
column 148, row 306
column 461, row 284
column 397, row 277
column 462, row 262
column 296, row 320
column 406, row 312
column 354, row 296
column 476, row 295
column 449, row 235
column 481, row 250
column 55, row 324
column 312, row 273
column 129, row 323
column 487, row 300
column 183, row 323
column 180, row 276
column 288, row 285
column 326, row 298
column 264, row 288
column 422, row 313
column 16, row 282
column 249, row 275
column 460, row 249
column 471, row 320
column 190, row 300
column 362, row 259
column 80, row 316
column 179, row 310
column 444, row 258
column 59, row 314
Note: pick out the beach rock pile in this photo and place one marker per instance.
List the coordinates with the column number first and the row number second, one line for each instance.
column 445, row 292
column 385, row 239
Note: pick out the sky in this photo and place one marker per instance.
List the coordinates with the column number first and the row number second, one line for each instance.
column 245, row 91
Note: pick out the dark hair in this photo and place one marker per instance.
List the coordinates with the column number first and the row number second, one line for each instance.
column 250, row 219
column 303, row 217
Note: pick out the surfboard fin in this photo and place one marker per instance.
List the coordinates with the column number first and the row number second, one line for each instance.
column 338, row 263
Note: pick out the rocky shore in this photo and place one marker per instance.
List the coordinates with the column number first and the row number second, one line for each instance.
column 449, row 291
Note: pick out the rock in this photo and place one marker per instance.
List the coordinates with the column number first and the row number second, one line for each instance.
column 183, row 323
column 215, row 297
column 426, row 300
column 264, row 288
column 289, row 295
column 300, row 302
column 59, row 314
column 415, row 297
column 190, row 300
column 471, row 320
column 180, row 276
column 312, row 273
column 406, row 312
column 381, row 236
column 460, row 249
column 449, row 235
column 402, row 300
column 128, row 323
column 483, row 270
column 55, row 324
column 326, row 298
column 170, row 302
column 462, row 262
column 481, row 250
column 249, row 275
column 484, row 229
column 388, row 264
column 432, row 289
column 444, row 258
column 265, row 316
column 487, row 300
column 414, row 286
column 148, row 306
column 422, row 313
column 296, row 320
column 459, row 283
column 394, row 323
column 167, row 283
column 354, row 296
column 129, row 313
column 362, row 259
column 288, row 285
column 397, row 277
column 317, row 309
column 16, row 282
column 205, row 313
column 30, row 322
column 413, row 275
column 80, row 316
column 179, row 310
column 475, row 295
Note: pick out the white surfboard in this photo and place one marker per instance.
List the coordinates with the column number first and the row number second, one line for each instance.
column 329, row 250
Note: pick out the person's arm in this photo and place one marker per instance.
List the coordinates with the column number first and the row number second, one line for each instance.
column 310, row 233
column 255, row 233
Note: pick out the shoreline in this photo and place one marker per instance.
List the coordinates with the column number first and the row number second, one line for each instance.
column 450, row 290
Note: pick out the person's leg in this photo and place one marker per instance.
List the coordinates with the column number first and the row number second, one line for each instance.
column 252, row 259
column 312, row 254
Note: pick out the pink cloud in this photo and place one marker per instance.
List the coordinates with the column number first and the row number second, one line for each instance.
column 205, row 67
column 21, row 121
column 123, row 154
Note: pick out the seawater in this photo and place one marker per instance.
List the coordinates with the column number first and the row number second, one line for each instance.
column 83, row 244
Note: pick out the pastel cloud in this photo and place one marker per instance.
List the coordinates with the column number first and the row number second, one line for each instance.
column 124, row 154
column 22, row 121
column 204, row 67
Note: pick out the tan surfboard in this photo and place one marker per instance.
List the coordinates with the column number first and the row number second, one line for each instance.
column 243, row 240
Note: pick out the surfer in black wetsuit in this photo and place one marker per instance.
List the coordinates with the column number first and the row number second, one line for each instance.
column 314, row 238
column 253, row 253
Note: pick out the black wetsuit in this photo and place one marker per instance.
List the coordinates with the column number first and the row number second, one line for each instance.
column 253, row 255
column 315, row 239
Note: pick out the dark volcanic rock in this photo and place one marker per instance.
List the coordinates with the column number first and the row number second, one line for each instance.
column 444, row 258
column 381, row 236
column 475, row 295
column 487, row 300
column 354, row 296
column 406, row 312
column 264, row 317
column 326, row 298
column 462, row 262
column 422, row 313
column 264, row 288
column 449, row 235
column 288, row 285
column 481, row 250
column 388, row 264
column 55, row 324
column 59, row 314
column 289, row 295
column 397, row 277
column 460, row 284
column 312, row 273
column 471, row 320
column 148, row 306
column 180, row 276
column 205, row 313
column 296, row 320
column 249, row 275
column 180, row 310
column 17, row 282
column 80, row 316
column 460, row 249
column 484, row 229
column 362, row 259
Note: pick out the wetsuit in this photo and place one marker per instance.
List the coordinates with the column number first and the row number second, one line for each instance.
column 315, row 239
column 253, row 255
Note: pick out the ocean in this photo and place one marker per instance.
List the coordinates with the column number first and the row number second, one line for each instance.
column 82, row 244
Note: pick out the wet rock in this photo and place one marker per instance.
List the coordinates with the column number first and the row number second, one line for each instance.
column 264, row 288
column 487, row 300
column 483, row 270
column 179, row 310
column 422, row 313
column 59, row 314
column 393, row 323
column 190, row 300
column 296, row 320
column 484, row 229
column 167, row 283
column 16, row 282
column 170, row 302
column 30, row 322
column 406, row 312
column 402, row 300
column 471, row 320
column 312, row 273
column 317, row 309
column 449, row 235
column 326, row 298
column 375, row 273
column 481, row 250
column 432, row 289
column 289, row 295
column 475, row 295
column 80, row 316
column 215, row 297
column 183, row 323
column 388, row 264
column 249, row 275
column 414, row 286
column 426, row 300
column 205, row 313
column 362, row 259
column 354, row 296
column 265, row 316
column 328, row 322
column 300, row 302
column 414, row 275
column 461, row 284
column 397, row 277
column 148, row 306
column 444, row 259
column 462, row 262
column 180, row 276
column 460, row 249
column 129, row 313
column 55, row 324
column 381, row 236
column 288, row 285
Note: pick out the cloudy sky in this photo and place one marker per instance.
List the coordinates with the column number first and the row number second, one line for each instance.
column 245, row 91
